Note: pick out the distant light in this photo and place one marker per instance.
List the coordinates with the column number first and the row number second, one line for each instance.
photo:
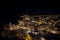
column 42, row 38
column 53, row 31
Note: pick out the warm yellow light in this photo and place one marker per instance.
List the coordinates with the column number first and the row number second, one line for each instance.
column 28, row 37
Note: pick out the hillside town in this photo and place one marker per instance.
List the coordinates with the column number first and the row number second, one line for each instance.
column 34, row 27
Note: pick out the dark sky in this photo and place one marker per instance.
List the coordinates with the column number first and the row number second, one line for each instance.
column 12, row 13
